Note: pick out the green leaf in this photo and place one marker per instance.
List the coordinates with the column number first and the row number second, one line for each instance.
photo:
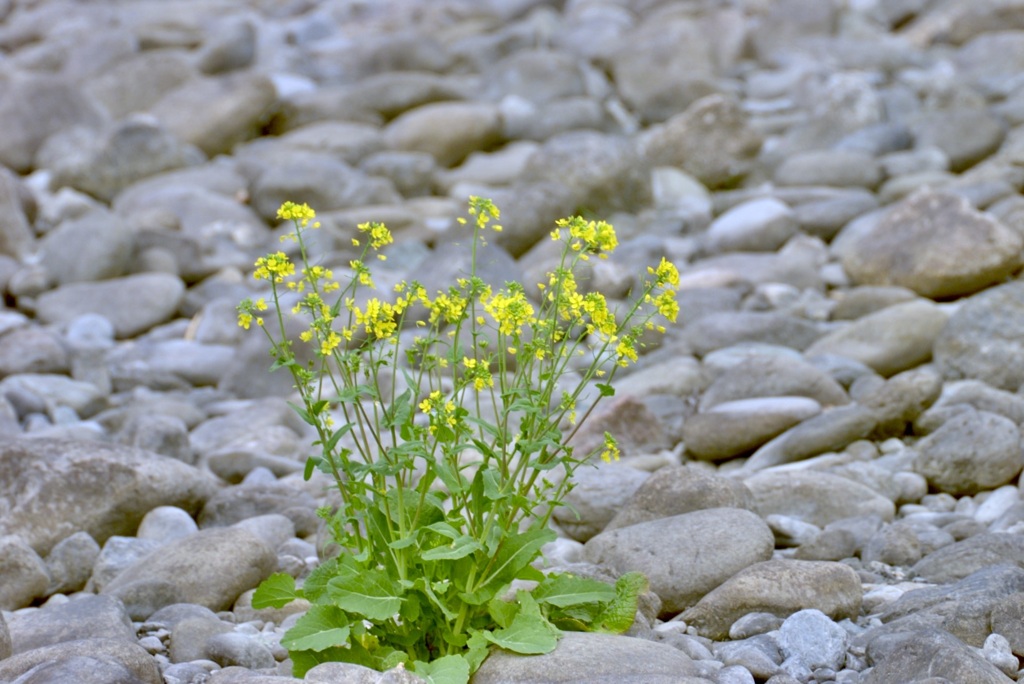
column 370, row 594
column 619, row 614
column 502, row 611
column 311, row 464
column 492, row 485
column 606, row 390
column 314, row 588
column 568, row 590
column 449, row 669
column 516, row 553
column 304, row 661
column 477, row 649
column 453, row 480
column 459, row 548
column 529, row 633
column 276, row 591
column 302, row 414
column 337, row 435
column 322, row 627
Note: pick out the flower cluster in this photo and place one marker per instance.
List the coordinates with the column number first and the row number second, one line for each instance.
column 275, row 267
column 596, row 237
column 300, row 213
column 510, row 310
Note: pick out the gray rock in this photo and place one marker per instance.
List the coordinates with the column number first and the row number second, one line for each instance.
column 956, row 561
column 891, row 340
column 761, row 225
column 79, row 669
column 928, row 653
column 50, row 393
column 895, row 544
column 599, row 493
column 599, row 658
column 899, row 400
column 136, row 81
column 912, row 244
column 636, row 428
column 165, row 524
column 101, row 489
column 758, row 655
column 862, row 300
column 5, row 639
column 539, row 75
column 234, row 504
column 733, row 428
column 243, row 650
column 35, row 108
column 210, row 568
column 726, row 329
column 215, row 113
column 676, row 490
column 133, row 304
column 680, row 377
column 974, row 393
column 834, row 168
column 603, row 172
column 96, row 246
column 25, row 576
column 16, row 236
column 229, row 44
column 955, row 460
column 1008, row 620
column 412, row 173
column 982, row 340
column 103, row 165
column 825, row 218
column 70, row 563
column 449, row 131
column 161, row 434
column 813, row 639
column 966, row 135
column 85, row 617
column 815, row 497
column 325, row 184
column 118, row 554
column 773, row 376
column 831, row 430
column 121, row 653
column 32, row 350
column 780, row 587
column 675, row 555
column 712, row 140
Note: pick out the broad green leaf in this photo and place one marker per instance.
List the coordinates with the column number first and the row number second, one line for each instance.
column 449, row 669
column 404, row 542
column 444, row 529
column 502, row 611
column 517, row 552
column 276, row 591
column 477, row 649
column 568, row 590
column 311, row 464
column 303, row 414
column 431, row 591
column 322, row 627
column 452, row 479
column 528, row 634
column 619, row 614
column 606, row 390
column 337, row 435
column 370, row 594
column 459, row 548
column 303, row 661
column 492, row 485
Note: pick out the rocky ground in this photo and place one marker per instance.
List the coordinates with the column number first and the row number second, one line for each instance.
column 820, row 460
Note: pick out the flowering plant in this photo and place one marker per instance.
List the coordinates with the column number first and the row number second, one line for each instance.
column 449, row 448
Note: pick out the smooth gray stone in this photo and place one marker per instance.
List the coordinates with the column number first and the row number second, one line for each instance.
column 677, row 552
column 598, row 658
column 79, row 670
column 24, row 573
column 124, row 653
column 954, row 460
column 85, row 617
column 831, row 430
column 210, row 568
column 956, row 561
column 73, row 488
column 933, row 653
column 816, row 497
column 597, row 497
column 813, row 639
column 780, row 587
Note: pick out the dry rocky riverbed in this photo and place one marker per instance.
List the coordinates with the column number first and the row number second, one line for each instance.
column 820, row 460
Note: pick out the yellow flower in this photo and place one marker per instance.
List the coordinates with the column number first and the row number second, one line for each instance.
column 300, row 213
column 477, row 373
column 378, row 318
column 329, row 343
column 665, row 274
column 667, row 305
column 626, row 351
column 611, row 449
column 362, row 273
column 485, row 211
column 510, row 311
column 591, row 236
column 378, row 232
column 244, row 319
column 274, row 267
column 450, row 307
